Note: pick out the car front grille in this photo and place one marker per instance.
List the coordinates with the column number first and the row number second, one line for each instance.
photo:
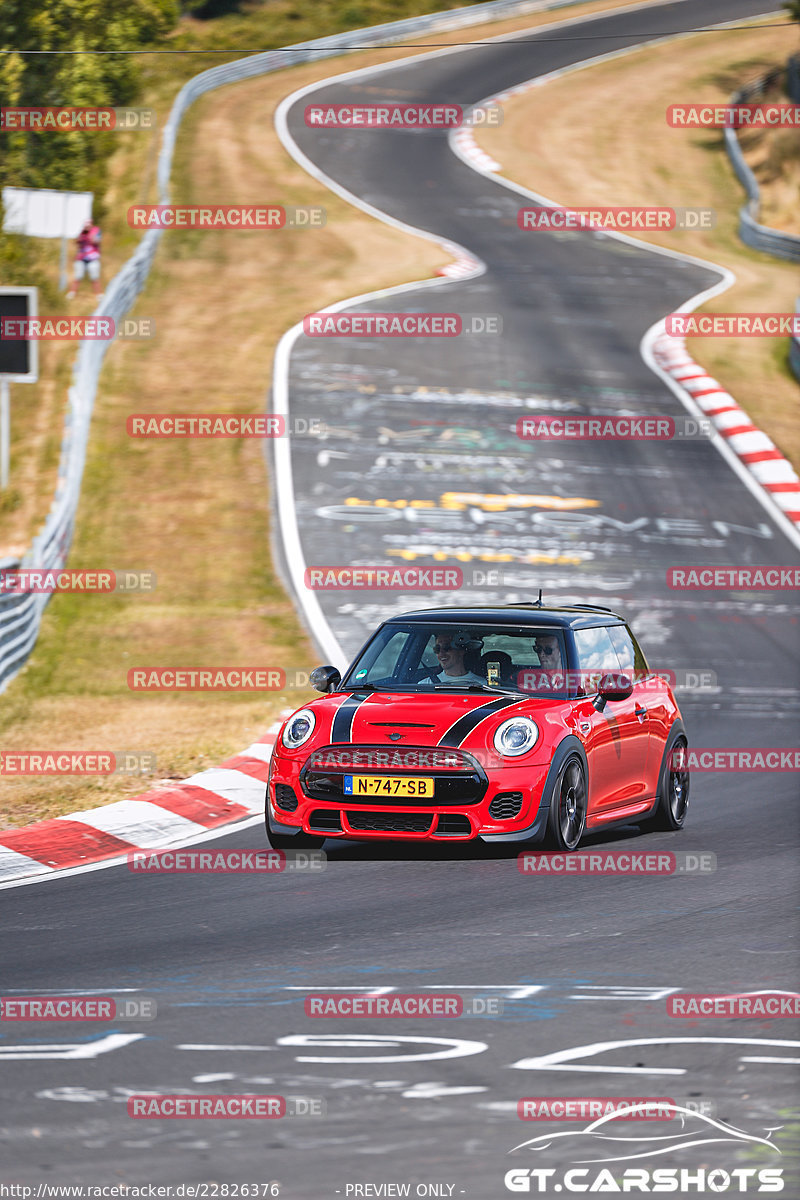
column 460, row 787
column 390, row 822
column 505, row 806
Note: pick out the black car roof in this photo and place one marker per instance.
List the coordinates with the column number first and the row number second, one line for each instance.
column 576, row 616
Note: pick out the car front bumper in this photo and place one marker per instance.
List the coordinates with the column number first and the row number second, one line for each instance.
column 295, row 806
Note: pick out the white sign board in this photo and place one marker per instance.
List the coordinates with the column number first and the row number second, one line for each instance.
column 42, row 212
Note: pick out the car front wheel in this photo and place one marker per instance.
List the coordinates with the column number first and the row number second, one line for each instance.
column 567, row 818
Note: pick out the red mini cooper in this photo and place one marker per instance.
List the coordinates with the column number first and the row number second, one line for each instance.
column 517, row 723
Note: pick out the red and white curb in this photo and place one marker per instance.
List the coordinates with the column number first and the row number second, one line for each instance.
column 177, row 813
column 755, row 450
column 463, row 138
column 464, row 266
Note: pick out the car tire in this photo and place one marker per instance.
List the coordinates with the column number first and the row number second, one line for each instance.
column 673, row 792
column 290, row 841
column 567, row 816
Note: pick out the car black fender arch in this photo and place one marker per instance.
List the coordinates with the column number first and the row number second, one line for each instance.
column 565, row 748
column 676, row 729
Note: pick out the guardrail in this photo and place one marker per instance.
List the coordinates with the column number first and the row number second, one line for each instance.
column 757, row 236
column 794, row 349
column 793, row 78
column 21, row 615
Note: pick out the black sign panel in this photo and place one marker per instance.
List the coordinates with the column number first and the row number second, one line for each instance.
column 16, row 354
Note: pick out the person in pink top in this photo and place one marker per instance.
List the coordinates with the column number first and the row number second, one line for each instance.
column 87, row 258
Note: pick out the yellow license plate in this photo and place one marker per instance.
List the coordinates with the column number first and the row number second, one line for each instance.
column 411, row 786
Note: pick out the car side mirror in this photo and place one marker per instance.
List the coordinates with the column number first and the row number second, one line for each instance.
column 611, row 688
column 325, row 679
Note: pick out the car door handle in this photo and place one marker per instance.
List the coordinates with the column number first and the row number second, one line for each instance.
column 641, row 713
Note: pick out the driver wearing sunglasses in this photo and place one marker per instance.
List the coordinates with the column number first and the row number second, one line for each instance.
column 549, row 651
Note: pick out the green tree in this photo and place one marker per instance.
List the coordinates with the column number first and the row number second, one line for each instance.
column 70, row 75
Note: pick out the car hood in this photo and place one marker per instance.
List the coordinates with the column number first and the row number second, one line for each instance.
column 422, row 719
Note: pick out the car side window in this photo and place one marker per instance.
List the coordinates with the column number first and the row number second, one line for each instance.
column 596, row 655
column 623, row 644
column 630, row 656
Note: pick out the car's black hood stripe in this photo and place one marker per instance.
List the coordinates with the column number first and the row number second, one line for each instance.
column 342, row 727
column 464, row 726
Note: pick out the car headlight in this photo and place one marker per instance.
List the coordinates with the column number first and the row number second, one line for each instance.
column 298, row 729
column 516, row 736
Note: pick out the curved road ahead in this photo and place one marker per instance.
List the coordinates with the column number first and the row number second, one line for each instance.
column 577, row 961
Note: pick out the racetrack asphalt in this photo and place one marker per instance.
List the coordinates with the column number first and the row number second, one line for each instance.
column 578, row 961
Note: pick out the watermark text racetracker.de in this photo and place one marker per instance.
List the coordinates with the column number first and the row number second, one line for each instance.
column 149, row 1106
column 377, row 578
column 617, row 218
column 625, row 862
column 338, row 1004
column 679, row 1181
column 75, row 120
column 402, row 324
column 708, row 577
column 738, row 758
column 746, row 1004
column 750, row 324
column 77, row 1008
column 611, row 427
column 733, row 116
column 77, row 762
column 221, row 425
column 406, row 116
column 70, row 329
column 224, row 862
column 247, row 217
column 20, row 581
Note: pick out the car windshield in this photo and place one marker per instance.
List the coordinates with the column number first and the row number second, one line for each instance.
column 477, row 657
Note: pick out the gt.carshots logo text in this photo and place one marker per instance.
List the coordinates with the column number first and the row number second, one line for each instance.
column 377, row 578
column 680, row 1181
